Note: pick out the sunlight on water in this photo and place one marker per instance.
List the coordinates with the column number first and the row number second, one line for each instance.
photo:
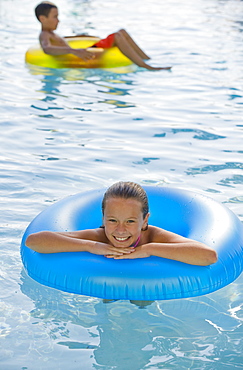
column 66, row 131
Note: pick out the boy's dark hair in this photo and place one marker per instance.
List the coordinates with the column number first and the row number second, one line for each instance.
column 44, row 9
column 127, row 190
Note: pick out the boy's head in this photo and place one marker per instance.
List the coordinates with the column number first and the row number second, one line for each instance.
column 43, row 9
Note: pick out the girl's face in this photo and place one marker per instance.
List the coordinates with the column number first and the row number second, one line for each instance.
column 123, row 221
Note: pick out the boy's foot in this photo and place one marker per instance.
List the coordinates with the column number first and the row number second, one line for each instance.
column 156, row 68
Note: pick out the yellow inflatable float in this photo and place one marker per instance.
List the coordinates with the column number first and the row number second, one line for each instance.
column 104, row 58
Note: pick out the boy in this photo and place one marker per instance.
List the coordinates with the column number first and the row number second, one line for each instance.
column 51, row 43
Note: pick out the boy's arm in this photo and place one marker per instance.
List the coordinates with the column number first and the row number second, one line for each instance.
column 48, row 48
column 63, row 48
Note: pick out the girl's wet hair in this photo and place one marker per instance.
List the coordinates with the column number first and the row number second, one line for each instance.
column 44, row 9
column 127, row 190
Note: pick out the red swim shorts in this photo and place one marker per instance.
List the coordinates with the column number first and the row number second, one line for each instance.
column 105, row 43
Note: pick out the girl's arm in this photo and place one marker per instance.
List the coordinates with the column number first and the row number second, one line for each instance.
column 172, row 246
column 80, row 241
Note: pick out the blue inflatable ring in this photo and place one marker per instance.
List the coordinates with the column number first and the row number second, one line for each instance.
column 189, row 214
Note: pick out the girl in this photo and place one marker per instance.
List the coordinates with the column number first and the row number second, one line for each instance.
column 125, row 233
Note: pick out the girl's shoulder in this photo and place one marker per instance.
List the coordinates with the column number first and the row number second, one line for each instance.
column 159, row 235
column 90, row 234
column 153, row 232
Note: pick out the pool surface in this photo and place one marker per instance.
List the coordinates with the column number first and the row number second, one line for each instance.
column 67, row 131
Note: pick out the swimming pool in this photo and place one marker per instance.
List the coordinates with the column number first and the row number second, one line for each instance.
column 67, row 131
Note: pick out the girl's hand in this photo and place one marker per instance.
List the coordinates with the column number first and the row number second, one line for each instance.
column 138, row 252
column 109, row 250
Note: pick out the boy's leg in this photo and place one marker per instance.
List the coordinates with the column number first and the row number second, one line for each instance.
column 126, row 48
column 133, row 44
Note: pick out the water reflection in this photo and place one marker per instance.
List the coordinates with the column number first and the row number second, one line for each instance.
column 115, row 75
column 197, row 134
column 105, row 82
column 117, row 103
column 193, row 331
column 215, row 168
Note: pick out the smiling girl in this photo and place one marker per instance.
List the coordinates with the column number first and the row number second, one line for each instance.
column 125, row 233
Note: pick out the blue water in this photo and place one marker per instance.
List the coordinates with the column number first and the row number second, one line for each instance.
column 68, row 131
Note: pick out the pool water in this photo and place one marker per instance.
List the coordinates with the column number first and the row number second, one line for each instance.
column 66, row 131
